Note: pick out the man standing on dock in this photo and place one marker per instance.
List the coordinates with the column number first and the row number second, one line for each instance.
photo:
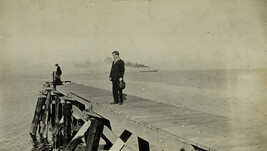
column 116, row 75
column 58, row 75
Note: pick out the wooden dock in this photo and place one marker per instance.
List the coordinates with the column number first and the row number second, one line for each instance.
column 168, row 126
column 77, row 113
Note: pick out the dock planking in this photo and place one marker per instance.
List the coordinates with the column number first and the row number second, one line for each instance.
column 204, row 130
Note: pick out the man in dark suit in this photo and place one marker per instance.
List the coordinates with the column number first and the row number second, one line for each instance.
column 116, row 75
column 58, row 75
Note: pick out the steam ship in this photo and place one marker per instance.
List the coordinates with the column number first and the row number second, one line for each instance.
column 149, row 70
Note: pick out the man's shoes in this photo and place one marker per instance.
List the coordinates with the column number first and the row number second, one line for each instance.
column 120, row 103
column 114, row 102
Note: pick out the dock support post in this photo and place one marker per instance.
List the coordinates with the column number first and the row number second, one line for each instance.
column 47, row 110
column 94, row 133
column 36, row 116
column 143, row 144
column 53, row 113
column 67, row 122
column 57, row 110
column 54, row 80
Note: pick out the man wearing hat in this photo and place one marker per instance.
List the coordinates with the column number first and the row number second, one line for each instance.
column 58, row 74
column 116, row 75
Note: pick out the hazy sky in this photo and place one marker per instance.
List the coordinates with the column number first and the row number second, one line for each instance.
column 163, row 34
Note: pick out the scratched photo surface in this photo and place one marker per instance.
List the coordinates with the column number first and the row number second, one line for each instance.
column 204, row 61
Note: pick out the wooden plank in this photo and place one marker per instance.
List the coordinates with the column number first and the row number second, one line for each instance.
column 67, row 122
column 78, row 114
column 58, row 115
column 77, row 138
column 92, row 114
column 66, row 98
column 46, row 113
column 87, row 103
column 58, row 127
column 53, row 113
column 120, row 142
column 36, row 116
column 109, row 136
column 94, row 133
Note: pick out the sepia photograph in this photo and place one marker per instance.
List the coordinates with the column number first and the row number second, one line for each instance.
column 133, row 75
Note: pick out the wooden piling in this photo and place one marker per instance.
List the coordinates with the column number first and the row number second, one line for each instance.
column 77, row 139
column 94, row 133
column 58, row 112
column 54, row 79
column 36, row 116
column 42, row 120
column 53, row 113
column 47, row 114
column 67, row 122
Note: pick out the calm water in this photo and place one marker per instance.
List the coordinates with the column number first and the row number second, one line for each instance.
column 18, row 95
column 17, row 102
column 207, row 79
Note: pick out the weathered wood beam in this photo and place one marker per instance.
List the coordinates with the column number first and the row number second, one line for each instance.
column 94, row 133
column 46, row 115
column 36, row 116
column 53, row 113
column 77, row 138
column 67, row 122
column 120, row 142
column 58, row 108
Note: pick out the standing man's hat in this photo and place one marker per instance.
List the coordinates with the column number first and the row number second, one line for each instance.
column 116, row 52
